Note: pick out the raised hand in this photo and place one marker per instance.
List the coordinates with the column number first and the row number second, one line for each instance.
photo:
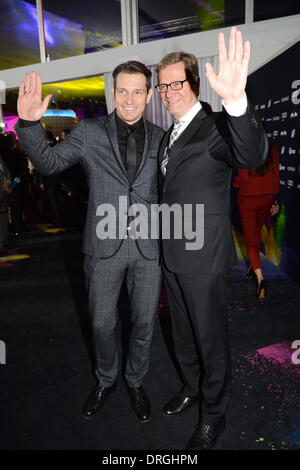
column 30, row 104
column 231, row 80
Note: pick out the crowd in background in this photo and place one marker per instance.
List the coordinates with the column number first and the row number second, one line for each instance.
column 28, row 198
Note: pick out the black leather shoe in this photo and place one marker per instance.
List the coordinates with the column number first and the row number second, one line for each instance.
column 250, row 273
column 205, row 436
column 178, row 404
column 97, row 399
column 140, row 403
column 262, row 289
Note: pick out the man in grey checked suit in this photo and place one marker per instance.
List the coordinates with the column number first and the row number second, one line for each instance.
column 119, row 156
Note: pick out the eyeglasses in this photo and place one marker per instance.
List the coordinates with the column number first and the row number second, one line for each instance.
column 173, row 85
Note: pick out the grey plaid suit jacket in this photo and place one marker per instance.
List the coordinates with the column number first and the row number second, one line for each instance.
column 94, row 143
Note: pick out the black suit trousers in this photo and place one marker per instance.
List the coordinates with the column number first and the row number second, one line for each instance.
column 199, row 328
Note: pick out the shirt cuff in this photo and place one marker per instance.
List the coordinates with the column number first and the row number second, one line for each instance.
column 238, row 108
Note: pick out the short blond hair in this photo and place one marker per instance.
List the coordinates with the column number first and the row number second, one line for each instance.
column 190, row 65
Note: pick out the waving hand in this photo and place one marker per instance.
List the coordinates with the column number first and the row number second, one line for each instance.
column 230, row 82
column 30, row 104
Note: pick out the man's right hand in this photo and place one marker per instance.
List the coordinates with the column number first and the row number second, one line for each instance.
column 30, row 104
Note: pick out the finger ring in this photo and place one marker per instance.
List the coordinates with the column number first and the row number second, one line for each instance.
column 26, row 91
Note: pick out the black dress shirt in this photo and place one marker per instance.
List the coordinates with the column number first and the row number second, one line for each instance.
column 139, row 135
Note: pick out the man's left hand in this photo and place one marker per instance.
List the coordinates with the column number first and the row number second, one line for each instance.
column 231, row 80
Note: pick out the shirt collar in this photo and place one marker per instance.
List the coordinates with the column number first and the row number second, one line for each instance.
column 137, row 125
column 187, row 118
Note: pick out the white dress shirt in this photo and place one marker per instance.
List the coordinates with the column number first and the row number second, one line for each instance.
column 235, row 109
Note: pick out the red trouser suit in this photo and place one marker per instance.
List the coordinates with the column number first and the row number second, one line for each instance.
column 254, row 211
column 255, row 198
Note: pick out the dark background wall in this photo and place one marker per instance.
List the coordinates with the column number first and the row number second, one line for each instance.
column 275, row 90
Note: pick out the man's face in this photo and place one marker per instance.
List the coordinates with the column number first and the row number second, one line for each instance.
column 131, row 96
column 178, row 102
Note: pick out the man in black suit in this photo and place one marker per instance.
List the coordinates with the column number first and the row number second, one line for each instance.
column 196, row 159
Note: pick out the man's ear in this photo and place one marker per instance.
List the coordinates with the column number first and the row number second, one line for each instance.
column 149, row 96
column 113, row 91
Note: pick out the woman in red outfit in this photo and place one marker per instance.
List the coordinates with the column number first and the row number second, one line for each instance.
column 257, row 197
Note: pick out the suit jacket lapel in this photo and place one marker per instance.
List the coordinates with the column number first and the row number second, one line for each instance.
column 111, row 129
column 176, row 153
column 163, row 144
column 147, row 146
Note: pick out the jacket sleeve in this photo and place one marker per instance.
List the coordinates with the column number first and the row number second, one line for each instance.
column 241, row 142
column 48, row 160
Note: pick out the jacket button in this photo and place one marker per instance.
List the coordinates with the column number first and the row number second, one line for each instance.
column 131, row 189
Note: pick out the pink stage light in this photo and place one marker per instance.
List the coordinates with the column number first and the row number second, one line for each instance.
column 10, row 121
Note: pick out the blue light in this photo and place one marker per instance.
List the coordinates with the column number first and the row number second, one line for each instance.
column 32, row 10
column 60, row 113
column 26, row 27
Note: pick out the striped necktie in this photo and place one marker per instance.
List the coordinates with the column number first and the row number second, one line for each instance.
column 173, row 137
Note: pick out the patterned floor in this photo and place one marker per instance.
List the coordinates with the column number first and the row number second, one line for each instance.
column 46, row 373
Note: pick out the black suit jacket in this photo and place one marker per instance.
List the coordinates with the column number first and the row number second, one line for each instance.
column 199, row 171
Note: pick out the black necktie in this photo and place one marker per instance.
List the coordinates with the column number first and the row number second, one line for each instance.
column 131, row 155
